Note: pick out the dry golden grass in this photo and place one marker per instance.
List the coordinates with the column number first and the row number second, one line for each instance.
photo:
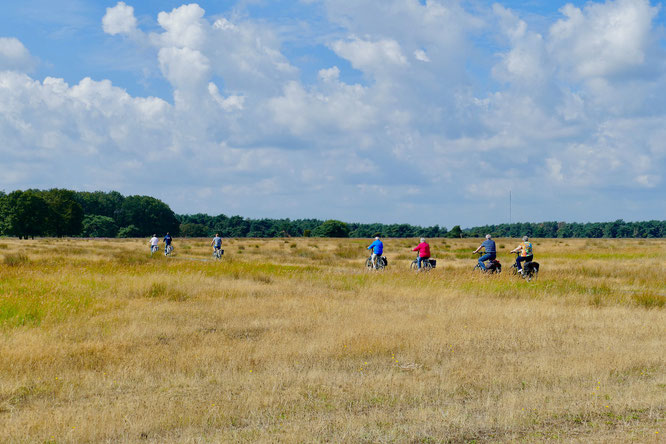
column 292, row 340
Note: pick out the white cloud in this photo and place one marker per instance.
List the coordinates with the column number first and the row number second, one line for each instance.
column 15, row 56
column 370, row 56
column 526, row 62
column 184, row 27
column 119, row 20
column 422, row 137
column 229, row 103
column 421, row 55
column 184, row 68
column 603, row 39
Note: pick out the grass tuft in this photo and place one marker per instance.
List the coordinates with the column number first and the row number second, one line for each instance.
column 649, row 299
column 161, row 290
column 16, row 260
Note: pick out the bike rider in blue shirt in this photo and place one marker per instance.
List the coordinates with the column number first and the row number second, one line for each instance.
column 167, row 242
column 490, row 249
column 377, row 248
column 216, row 243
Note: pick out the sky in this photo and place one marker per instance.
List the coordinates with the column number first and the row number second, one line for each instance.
column 426, row 112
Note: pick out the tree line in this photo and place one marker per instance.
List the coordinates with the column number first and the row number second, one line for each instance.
column 60, row 212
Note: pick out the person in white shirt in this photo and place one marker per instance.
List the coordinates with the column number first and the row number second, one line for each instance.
column 153, row 244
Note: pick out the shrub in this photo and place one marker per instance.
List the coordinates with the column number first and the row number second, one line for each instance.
column 129, row 231
column 332, row 228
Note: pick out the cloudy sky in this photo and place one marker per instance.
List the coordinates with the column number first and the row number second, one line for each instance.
column 425, row 112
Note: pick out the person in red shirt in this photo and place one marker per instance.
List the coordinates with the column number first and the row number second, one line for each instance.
column 424, row 251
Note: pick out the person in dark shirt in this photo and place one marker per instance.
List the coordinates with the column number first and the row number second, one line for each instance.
column 491, row 251
column 167, row 243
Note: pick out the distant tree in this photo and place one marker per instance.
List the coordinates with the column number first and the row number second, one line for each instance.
column 238, row 227
column 130, row 231
column 99, row 202
column 307, row 233
column 193, row 230
column 4, row 213
column 455, row 232
column 66, row 213
column 95, row 225
column 28, row 214
column 332, row 228
column 149, row 215
column 594, row 231
column 612, row 229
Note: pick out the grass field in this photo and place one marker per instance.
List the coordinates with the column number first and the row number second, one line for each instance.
column 293, row 340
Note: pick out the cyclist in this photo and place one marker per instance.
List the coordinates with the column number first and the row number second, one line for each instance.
column 525, row 253
column 377, row 248
column 424, row 251
column 216, row 243
column 490, row 251
column 167, row 243
column 153, row 244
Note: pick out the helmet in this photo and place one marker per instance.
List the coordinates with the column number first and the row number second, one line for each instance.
column 488, row 236
column 525, row 238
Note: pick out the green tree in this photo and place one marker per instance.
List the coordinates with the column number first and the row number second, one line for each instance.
column 332, row 228
column 149, row 215
column 28, row 214
column 130, row 231
column 455, row 232
column 193, row 230
column 95, row 225
column 99, row 202
column 237, row 227
column 66, row 212
column 3, row 213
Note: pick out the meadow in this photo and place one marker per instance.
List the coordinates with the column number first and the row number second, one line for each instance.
column 294, row 340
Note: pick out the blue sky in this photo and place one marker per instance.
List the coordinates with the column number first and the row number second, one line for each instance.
column 426, row 112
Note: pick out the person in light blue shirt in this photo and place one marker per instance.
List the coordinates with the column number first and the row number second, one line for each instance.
column 377, row 248
column 491, row 251
column 216, row 243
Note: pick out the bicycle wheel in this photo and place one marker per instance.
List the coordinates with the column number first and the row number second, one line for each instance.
column 368, row 263
column 531, row 275
column 414, row 265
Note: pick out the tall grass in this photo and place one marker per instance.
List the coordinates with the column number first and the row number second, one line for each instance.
column 103, row 343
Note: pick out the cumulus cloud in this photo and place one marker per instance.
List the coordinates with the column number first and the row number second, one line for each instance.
column 15, row 56
column 603, row 39
column 371, row 56
column 573, row 107
column 119, row 20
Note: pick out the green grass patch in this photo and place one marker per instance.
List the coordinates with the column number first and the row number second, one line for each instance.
column 25, row 302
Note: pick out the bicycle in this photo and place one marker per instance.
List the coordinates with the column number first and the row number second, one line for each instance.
column 168, row 249
column 382, row 263
column 153, row 249
column 530, row 270
column 494, row 265
column 217, row 253
column 426, row 264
